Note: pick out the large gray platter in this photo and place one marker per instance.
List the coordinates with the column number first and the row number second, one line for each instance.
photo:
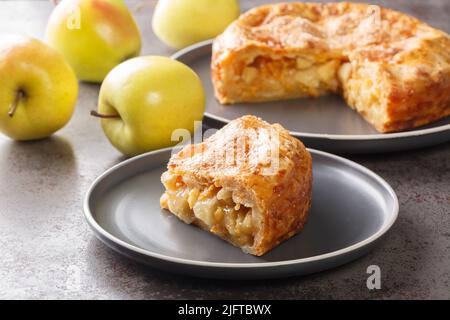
column 352, row 209
column 325, row 123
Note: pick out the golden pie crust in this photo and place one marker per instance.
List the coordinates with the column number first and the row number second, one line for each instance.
column 249, row 183
column 391, row 68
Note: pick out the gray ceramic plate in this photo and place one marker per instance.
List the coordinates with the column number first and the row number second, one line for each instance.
column 352, row 209
column 325, row 123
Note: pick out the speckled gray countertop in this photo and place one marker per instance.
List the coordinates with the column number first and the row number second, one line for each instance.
column 48, row 251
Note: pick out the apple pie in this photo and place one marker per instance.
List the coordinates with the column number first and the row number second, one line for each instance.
column 391, row 68
column 249, row 183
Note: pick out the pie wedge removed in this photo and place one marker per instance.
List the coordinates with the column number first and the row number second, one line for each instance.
column 391, row 68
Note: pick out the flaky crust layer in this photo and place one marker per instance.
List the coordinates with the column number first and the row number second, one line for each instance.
column 278, row 190
column 393, row 69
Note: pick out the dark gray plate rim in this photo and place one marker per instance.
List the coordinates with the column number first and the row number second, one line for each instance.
column 379, row 136
column 387, row 224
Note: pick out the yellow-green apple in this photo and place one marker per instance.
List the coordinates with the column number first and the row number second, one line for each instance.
column 179, row 23
column 143, row 100
column 93, row 35
column 38, row 88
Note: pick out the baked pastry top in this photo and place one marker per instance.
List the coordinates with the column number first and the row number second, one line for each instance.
column 249, row 183
column 390, row 67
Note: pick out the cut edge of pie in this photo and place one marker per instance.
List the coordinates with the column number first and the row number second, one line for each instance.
column 212, row 208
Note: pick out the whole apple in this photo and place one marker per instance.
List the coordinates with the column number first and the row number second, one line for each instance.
column 93, row 35
column 143, row 100
column 180, row 23
column 38, row 90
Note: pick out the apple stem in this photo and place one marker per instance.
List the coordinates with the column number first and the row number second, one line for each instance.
column 104, row 116
column 13, row 107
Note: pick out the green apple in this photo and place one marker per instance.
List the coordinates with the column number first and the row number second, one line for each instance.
column 143, row 100
column 180, row 23
column 38, row 90
column 93, row 35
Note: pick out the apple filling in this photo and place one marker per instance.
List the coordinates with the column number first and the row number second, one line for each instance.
column 364, row 92
column 212, row 208
column 271, row 78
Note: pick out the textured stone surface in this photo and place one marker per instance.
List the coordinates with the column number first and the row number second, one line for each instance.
column 48, row 251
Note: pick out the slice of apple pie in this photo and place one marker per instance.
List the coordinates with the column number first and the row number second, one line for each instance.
column 391, row 68
column 249, row 183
